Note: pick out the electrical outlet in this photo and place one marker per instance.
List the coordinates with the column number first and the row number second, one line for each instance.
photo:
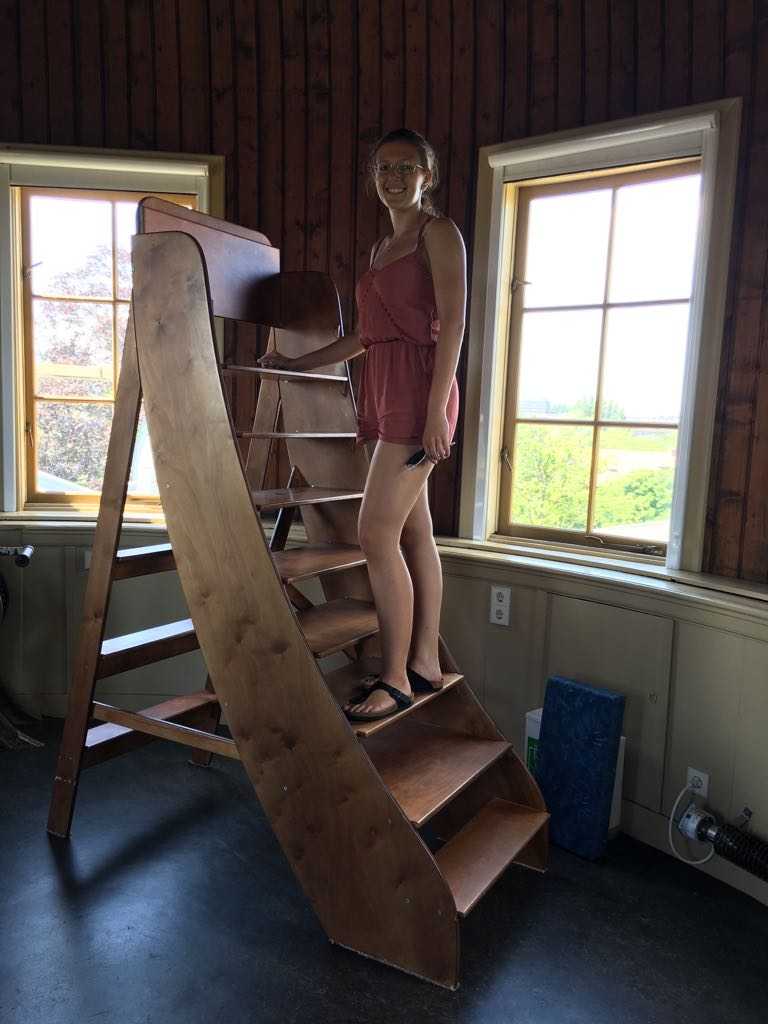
column 500, row 601
column 698, row 782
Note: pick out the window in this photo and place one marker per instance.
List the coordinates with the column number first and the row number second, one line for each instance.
column 618, row 390
column 601, row 291
column 76, row 269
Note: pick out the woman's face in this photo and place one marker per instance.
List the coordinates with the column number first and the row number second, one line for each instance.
column 399, row 175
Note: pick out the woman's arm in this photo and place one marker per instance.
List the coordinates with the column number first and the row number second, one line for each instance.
column 346, row 347
column 448, row 261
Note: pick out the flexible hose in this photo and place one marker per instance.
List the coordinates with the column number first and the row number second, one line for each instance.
column 740, row 848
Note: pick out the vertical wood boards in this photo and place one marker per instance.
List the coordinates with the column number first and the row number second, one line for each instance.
column 322, row 796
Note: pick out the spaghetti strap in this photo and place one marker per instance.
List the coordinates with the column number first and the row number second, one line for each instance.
column 422, row 229
column 375, row 252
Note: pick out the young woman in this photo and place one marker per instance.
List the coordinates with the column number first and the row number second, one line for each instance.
column 411, row 304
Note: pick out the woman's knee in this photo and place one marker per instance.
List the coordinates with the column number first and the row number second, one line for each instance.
column 376, row 534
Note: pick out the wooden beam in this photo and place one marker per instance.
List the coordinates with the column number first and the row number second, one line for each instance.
column 164, row 730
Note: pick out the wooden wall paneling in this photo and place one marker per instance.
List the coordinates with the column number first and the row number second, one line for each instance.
column 319, row 139
column 439, row 97
column 343, row 176
column 368, row 128
column 488, row 87
column 570, row 78
column 34, row 74
column 141, row 75
column 10, row 84
column 270, row 84
column 596, row 67
column 543, row 58
column 516, row 34
column 707, row 50
column 61, row 98
column 293, row 244
column 623, row 73
column 166, row 46
column 114, row 48
column 392, row 85
column 676, row 82
column 88, row 75
column 416, row 65
column 195, row 76
column 650, row 55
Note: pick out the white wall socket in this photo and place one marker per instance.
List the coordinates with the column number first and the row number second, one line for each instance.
column 500, row 601
column 698, row 781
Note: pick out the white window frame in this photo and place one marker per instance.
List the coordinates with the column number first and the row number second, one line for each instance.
column 709, row 131
column 72, row 167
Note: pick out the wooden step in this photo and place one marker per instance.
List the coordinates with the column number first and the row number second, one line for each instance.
column 307, row 435
column 162, row 729
column 288, row 497
column 332, row 626
column 300, row 563
column 122, row 653
column 426, row 766
column 293, row 375
column 130, row 562
column 345, row 680
column 475, row 857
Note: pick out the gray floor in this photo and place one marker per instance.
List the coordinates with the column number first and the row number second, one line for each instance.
column 173, row 903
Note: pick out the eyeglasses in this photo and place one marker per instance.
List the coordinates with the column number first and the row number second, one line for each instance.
column 402, row 169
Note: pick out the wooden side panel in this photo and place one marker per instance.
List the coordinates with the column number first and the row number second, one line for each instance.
column 323, row 798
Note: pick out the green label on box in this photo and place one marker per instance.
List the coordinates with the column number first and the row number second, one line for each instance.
column 530, row 754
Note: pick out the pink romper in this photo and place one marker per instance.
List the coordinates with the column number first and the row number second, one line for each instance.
column 398, row 328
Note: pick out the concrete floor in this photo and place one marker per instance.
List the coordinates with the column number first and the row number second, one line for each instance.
column 174, row 903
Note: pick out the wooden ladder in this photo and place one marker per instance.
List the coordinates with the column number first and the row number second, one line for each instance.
column 347, row 801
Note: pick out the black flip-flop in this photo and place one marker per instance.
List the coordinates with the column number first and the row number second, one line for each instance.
column 402, row 701
column 420, row 684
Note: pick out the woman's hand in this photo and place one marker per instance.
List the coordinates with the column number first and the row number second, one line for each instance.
column 275, row 361
column 436, row 439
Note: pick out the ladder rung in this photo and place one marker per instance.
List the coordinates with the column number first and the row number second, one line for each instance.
column 426, row 766
column 130, row 562
column 133, row 650
column 336, row 624
column 474, row 858
column 327, row 378
column 106, row 741
column 286, row 497
column 301, row 563
column 297, row 436
column 167, row 730
column 345, row 680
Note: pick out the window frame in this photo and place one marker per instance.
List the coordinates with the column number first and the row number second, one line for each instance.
column 198, row 175
column 708, row 131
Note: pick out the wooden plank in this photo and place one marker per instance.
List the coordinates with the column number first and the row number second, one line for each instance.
column 96, row 601
column 269, row 214
column 439, row 114
column 194, row 75
column 311, row 559
column 236, row 108
column 595, row 61
column 164, row 730
column 319, row 141
column 707, row 40
column 475, row 857
column 60, row 71
column 259, row 371
column 343, row 158
column 543, row 67
column 569, row 64
column 283, row 497
column 285, row 434
column 167, row 104
column 392, row 86
column 650, row 56
column 144, row 561
column 622, row 73
column 10, row 72
column 104, row 742
column 425, row 767
column 141, row 75
column 516, row 103
column 89, row 110
column 34, row 73
column 368, row 128
column 295, row 214
column 146, row 646
column 332, row 626
column 116, row 128
column 675, row 88
column 416, row 66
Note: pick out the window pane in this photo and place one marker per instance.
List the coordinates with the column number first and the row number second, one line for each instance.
column 550, row 481
column 654, row 240
column 143, row 482
column 558, row 364
column 635, row 473
column 644, row 360
column 125, row 215
column 71, row 246
column 567, row 249
column 71, row 446
column 72, row 343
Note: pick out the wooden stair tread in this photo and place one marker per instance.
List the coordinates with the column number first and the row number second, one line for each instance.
column 343, row 681
column 332, row 626
column 310, row 560
column 146, row 646
column 260, row 371
column 475, row 857
column 296, row 435
column 286, row 497
column 426, row 766
column 130, row 562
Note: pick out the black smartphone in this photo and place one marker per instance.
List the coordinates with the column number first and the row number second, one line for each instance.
column 418, row 457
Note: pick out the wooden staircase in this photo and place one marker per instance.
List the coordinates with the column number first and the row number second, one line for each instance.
column 346, row 800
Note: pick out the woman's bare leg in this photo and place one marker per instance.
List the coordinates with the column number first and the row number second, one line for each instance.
column 391, row 491
column 421, row 557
